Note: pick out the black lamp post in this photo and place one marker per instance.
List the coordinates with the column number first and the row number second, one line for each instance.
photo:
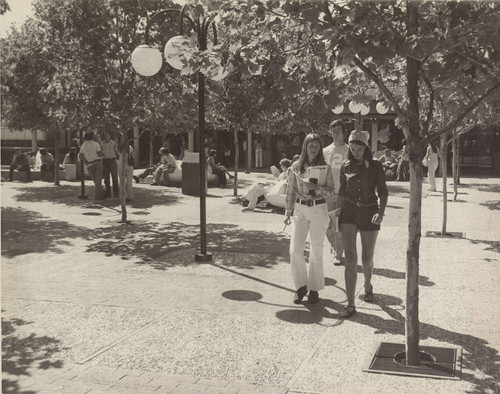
column 82, row 195
column 147, row 61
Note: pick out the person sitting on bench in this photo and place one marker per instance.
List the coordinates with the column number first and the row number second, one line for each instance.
column 20, row 162
column 47, row 166
column 167, row 164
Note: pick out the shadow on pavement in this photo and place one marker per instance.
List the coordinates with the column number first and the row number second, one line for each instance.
column 30, row 232
column 493, row 246
column 478, row 355
column 68, row 195
column 422, row 280
column 167, row 245
column 495, row 204
column 21, row 354
column 482, row 187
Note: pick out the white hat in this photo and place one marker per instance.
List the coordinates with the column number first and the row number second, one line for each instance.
column 360, row 135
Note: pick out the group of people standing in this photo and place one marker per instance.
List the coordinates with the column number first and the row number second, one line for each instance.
column 354, row 195
column 103, row 159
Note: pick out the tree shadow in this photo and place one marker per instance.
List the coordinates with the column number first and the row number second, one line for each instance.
column 422, row 280
column 166, row 245
column 30, row 232
column 478, row 355
column 68, row 195
column 493, row 246
column 19, row 354
column 396, row 188
column 483, row 187
column 495, row 204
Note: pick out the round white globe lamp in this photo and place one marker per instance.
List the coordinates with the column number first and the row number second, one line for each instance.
column 354, row 107
column 382, row 109
column 364, row 109
column 146, row 60
column 178, row 51
column 338, row 109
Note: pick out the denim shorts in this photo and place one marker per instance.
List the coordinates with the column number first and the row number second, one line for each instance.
column 360, row 216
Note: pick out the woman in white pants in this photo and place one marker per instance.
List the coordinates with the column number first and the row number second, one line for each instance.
column 129, row 172
column 305, row 198
column 432, row 159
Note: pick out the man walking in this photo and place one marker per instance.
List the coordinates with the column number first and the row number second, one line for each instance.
column 109, row 165
column 335, row 154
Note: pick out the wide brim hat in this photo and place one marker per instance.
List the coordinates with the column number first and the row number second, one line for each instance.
column 360, row 135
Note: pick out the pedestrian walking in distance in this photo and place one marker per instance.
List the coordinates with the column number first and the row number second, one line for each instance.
column 306, row 201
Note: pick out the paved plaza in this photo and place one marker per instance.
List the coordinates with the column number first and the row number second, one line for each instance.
column 90, row 305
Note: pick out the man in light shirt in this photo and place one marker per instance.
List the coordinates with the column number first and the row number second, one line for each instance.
column 109, row 165
column 91, row 155
column 335, row 154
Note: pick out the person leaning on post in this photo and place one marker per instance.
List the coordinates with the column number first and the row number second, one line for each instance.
column 91, row 155
column 360, row 177
column 307, row 201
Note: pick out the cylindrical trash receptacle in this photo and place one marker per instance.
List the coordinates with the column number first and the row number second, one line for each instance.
column 191, row 174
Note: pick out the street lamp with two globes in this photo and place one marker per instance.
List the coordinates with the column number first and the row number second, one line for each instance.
column 180, row 54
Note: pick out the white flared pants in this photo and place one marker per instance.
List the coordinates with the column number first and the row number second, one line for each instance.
column 314, row 221
column 431, row 169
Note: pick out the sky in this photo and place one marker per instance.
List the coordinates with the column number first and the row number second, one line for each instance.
column 19, row 11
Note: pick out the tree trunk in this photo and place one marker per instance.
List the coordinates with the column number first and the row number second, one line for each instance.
column 414, row 223
column 412, row 329
column 458, row 159
column 454, row 168
column 56, row 159
column 151, row 146
column 444, row 165
column 236, row 161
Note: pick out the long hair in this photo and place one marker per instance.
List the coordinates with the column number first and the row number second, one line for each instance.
column 434, row 146
column 367, row 155
column 318, row 160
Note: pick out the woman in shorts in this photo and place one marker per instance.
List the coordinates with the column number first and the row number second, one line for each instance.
column 360, row 177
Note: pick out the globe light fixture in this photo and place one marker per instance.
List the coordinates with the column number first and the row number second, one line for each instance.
column 364, row 109
column 382, row 109
column 178, row 52
column 183, row 53
column 338, row 109
column 146, row 60
column 354, row 107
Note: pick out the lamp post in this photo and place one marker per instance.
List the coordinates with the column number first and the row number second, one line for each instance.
column 148, row 61
column 82, row 195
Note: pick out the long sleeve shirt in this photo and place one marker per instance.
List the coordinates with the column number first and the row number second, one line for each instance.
column 297, row 188
column 358, row 181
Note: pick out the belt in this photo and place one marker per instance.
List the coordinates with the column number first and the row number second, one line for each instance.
column 310, row 203
column 93, row 161
column 360, row 204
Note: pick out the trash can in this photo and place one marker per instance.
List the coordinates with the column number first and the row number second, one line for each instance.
column 191, row 174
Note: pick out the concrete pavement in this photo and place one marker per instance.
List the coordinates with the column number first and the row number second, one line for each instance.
column 92, row 305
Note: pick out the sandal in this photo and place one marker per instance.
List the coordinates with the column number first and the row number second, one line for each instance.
column 369, row 295
column 348, row 312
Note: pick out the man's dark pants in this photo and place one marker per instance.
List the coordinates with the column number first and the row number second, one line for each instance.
column 109, row 166
column 20, row 168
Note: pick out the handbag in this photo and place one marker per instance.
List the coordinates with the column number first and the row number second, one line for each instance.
column 425, row 161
